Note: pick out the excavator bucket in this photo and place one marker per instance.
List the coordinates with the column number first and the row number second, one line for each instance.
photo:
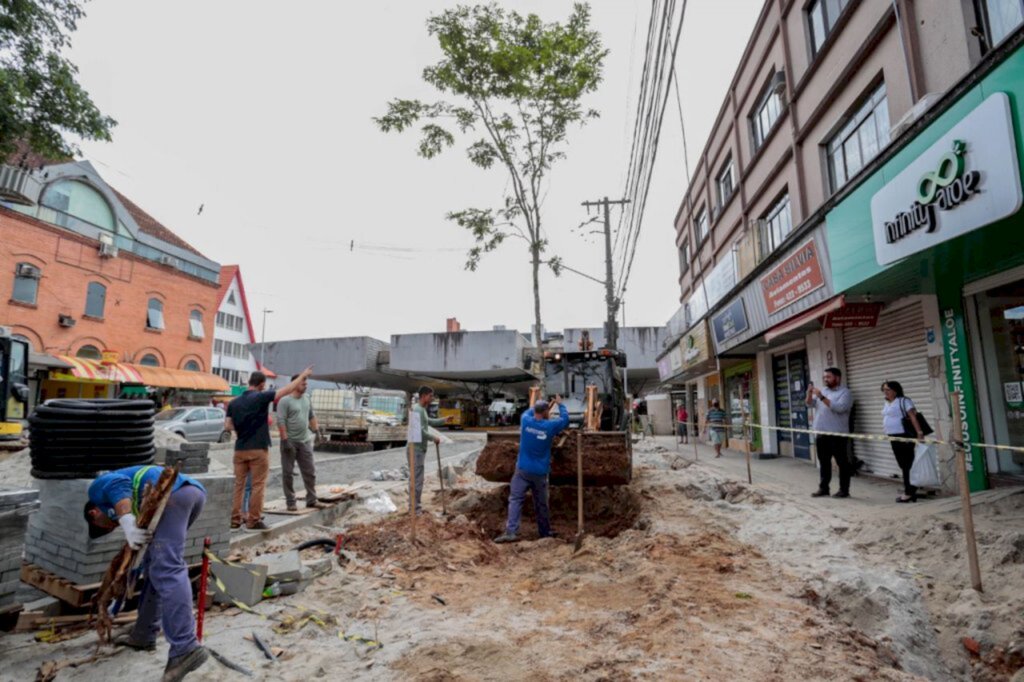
column 607, row 458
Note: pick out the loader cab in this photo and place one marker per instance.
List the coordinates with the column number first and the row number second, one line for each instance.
column 14, row 392
column 569, row 373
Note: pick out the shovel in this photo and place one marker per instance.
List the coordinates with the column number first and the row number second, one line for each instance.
column 440, row 476
column 579, row 492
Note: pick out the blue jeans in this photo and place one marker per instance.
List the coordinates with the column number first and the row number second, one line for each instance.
column 538, row 484
column 167, row 595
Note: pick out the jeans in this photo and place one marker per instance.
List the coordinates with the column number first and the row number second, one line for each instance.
column 905, row 458
column 538, row 485
column 293, row 452
column 830, row 447
column 167, row 595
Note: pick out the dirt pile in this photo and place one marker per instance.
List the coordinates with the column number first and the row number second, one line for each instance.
column 439, row 544
column 606, row 459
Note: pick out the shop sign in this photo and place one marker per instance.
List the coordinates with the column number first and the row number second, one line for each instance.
column 854, row 315
column 694, row 346
column 664, row 369
column 792, row 279
column 110, row 357
column 675, row 359
column 959, row 380
column 932, row 199
column 720, row 281
column 730, row 322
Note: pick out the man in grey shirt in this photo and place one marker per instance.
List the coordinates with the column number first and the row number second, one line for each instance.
column 832, row 414
column 295, row 418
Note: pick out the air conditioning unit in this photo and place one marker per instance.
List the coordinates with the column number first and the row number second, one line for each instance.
column 66, row 321
column 778, row 84
column 167, row 260
column 28, row 270
column 108, row 250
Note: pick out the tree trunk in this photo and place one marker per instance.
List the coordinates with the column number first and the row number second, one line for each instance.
column 538, row 340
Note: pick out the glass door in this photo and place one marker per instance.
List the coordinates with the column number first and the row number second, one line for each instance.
column 1001, row 318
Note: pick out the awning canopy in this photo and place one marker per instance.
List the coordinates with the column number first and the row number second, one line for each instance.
column 84, row 368
column 164, row 377
column 809, row 316
column 46, row 360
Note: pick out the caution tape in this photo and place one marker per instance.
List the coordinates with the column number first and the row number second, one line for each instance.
column 880, row 437
column 373, row 644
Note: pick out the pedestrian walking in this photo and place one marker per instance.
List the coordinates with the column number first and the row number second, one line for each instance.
column 641, row 415
column 166, row 600
column 249, row 417
column 683, row 424
column 537, row 430
column 898, row 407
column 832, row 408
column 426, row 396
column 297, row 424
column 716, row 423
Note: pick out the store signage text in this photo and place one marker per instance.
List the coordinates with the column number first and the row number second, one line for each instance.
column 793, row 278
column 954, row 349
column 854, row 315
column 730, row 322
column 929, row 201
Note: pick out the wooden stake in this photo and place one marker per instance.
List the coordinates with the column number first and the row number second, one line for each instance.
column 440, row 476
column 746, row 438
column 412, row 490
column 965, row 493
column 579, row 490
column 203, row 578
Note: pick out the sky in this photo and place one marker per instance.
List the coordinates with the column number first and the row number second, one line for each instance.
column 264, row 116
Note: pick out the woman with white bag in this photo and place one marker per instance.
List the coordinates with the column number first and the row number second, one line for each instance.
column 897, row 408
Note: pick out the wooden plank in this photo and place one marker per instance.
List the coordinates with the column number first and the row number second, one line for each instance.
column 55, row 586
column 33, row 621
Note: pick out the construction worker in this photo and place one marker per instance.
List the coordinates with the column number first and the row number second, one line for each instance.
column 114, row 500
column 536, row 432
column 425, row 397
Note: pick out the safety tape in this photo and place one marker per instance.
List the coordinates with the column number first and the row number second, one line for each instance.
column 879, row 437
column 372, row 643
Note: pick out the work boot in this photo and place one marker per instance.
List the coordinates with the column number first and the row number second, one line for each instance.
column 842, row 493
column 179, row 666
column 127, row 640
column 506, row 537
column 819, row 493
column 292, row 507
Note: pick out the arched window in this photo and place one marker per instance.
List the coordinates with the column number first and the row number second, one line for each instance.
column 95, row 299
column 26, row 283
column 149, row 360
column 89, row 352
column 155, row 314
column 192, row 366
column 73, row 200
column 195, row 324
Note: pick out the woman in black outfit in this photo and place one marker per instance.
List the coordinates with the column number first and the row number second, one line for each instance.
column 896, row 408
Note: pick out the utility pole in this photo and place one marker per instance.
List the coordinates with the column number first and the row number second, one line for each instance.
column 263, row 337
column 611, row 332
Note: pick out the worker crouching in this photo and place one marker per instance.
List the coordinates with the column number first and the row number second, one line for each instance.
column 536, row 432
column 114, row 500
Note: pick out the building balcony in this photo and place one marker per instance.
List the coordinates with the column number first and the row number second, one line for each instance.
column 18, row 186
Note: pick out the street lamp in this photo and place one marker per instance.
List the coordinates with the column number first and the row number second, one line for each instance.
column 263, row 337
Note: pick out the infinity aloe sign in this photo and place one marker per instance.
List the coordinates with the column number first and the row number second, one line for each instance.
column 930, row 201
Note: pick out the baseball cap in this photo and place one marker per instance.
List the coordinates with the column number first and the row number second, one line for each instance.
column 541, row 406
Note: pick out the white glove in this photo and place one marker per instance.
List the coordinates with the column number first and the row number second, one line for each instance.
column 135, row 537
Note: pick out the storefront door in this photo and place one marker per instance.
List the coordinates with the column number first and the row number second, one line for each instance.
column 741, row 394
column 1001, row 318
column 789, row 374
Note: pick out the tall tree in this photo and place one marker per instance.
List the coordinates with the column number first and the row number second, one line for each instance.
column 515, row 87
column 41, row 101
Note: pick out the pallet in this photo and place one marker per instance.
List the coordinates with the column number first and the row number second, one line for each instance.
column 68, row 592
column 9, row 616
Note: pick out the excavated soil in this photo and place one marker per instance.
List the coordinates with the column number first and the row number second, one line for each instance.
column 606, row 459
column 438, row 543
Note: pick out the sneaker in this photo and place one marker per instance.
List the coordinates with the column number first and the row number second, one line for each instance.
column 235, row 526
column 819, row 493
column 552, row 534
column 259, row 525
column 903, row 500
column 179, row 666
column 292, row 507
column 506, row 537
column 841, row 493
column 126, row 640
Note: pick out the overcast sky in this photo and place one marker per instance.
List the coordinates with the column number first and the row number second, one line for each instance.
column 262, row 112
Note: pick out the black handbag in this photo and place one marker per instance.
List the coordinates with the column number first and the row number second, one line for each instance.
column 908, row 425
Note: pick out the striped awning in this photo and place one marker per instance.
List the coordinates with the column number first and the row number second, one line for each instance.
column 164, row 377
column 84, row 368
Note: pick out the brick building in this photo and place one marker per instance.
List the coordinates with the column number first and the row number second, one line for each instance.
column 84, row 270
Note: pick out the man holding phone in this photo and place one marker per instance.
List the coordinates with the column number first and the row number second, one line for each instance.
column 832, row 415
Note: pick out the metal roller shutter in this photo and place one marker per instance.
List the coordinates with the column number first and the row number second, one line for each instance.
column 894, row 350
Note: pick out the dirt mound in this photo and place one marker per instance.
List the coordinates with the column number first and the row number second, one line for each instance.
column 438, row 543
column 606, row 459
column 606, row 511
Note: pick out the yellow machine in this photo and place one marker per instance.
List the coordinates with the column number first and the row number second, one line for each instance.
column 462, row 413
column 14, row 390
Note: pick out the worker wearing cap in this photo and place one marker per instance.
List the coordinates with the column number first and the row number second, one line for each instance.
column 114, row 500
column 536, row 431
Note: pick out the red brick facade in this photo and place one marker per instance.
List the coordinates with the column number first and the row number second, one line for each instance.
column 69, row 262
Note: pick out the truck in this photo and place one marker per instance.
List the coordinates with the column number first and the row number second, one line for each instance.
column 350, row 429
column 14, row 391
column 590, row 383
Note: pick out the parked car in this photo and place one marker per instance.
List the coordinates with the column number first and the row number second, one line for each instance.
column 195, row 423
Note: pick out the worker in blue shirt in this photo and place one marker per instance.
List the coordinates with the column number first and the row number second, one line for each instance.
column 536, row 432
column 114, row 500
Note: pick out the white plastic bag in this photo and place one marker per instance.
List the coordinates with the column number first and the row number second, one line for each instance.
column 924, row 473
column 434, row 433
column 380, row 503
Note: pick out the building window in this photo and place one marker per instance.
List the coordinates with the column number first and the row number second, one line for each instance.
column 860, row 138
column 74, row 201
column 26, row 283
column 195, row 324
column 149, row 360
column 822, row 16
column 89, row 352
column 229, row 321
column 726, row 183
column 768, row 109
column 95, row 299
column 1002, row 17
column 776, row 224
column 684, row 257
column 702, row 225
column 192, row 366
column 218, row 345
column 155, row 314
column 231, row 298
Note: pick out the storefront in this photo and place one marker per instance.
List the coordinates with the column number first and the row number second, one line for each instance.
column 741, row 405
column 789, row 383
column 934, row 234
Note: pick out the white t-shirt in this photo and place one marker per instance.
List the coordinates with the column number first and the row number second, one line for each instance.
column 892, row 415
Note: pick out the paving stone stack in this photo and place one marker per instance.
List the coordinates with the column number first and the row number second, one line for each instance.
column 58, row 537
column 16, row 505
column 191, row 458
